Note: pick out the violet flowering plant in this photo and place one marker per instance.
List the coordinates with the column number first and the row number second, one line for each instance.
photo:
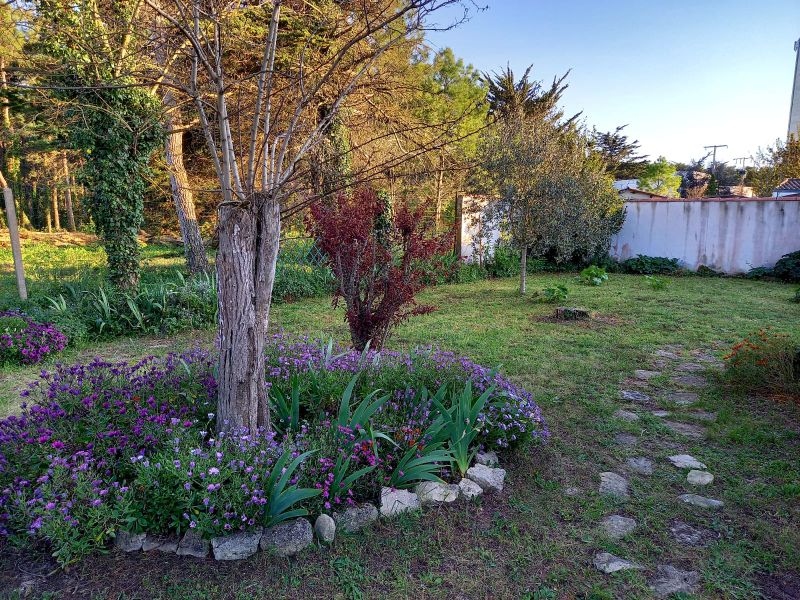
column 510, row 416
column 106, row 447
column 25, row 341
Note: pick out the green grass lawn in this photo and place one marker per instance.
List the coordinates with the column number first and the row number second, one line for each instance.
column 534, row 541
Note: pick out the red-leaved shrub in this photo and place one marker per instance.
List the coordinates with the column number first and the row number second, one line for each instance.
column 766, row 361
column 376, row 254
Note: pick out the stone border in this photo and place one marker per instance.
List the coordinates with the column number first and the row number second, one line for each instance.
column 291, row 537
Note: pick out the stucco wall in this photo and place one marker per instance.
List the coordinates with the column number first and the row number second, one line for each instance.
column 729, row 235
column 476, row 235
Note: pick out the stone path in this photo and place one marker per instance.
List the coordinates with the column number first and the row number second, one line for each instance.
column 684, row 373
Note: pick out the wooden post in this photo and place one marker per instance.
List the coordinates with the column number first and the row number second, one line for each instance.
column 13, row 232
column 459, row 225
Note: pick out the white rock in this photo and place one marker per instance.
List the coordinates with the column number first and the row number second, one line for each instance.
column 640, row 465
column 645, row 375
column 626, row 415
column 161, row 543
column 660, row 413
column 289, row 538
column 129, row 542
column 193, row 544
column 325, row 528
column 394, row 502
column 236, row 546
column 699, row 477
column 488, row 458
column 356, row 517
column 608, row 563
column 669, row 581
column 436, row 492
column 685, row 461
column 487, row 477
column 469, row 489
column 617, row 526
column 612, row 484
column 701, row 501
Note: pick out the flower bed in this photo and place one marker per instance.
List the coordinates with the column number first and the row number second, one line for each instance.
column 24, row 341
column 107, row 448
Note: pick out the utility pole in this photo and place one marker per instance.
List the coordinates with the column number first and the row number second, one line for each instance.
column 714, row 155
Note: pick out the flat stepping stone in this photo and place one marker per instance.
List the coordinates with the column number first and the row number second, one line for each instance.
column 682, row 398
column 669, row 580
column 696, row 477
column 702, row 415
column 692, row 431
column 707, row 357
column 608, row 563
column 645, row 375
column 634, row 396
column 690, row 367
column 660, row 413
column 617, row 526
column 701, row 501
column 667, row 354
column 686, row 461
column 612, row 484
column 626, row 439
column 626, row 415
column 695, row 381
column 642, row 466
column 686, row 534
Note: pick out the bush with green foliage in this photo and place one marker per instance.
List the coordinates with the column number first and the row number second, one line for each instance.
column 655, row 282
column 788, row 268
column 553, row 294
column 766, row 361
column 136, row 448
column 650, row 265
column 593, row 275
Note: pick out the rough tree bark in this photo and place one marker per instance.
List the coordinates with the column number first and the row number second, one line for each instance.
column 56, row 217
column 523, row 273
column 249, row 237
column 67, row 193
column 196, row 260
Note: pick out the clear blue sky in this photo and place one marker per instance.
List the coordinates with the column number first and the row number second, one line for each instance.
column 682, row 74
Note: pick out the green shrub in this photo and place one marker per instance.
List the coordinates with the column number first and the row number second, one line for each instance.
column 765, row 361
column 788, row 268
column 504, row 262
column 294, row 281
column 796, row 295
column 650, row 265
column 593, row 275
column 553, row 294
column 657, row 283
column 471, row 272
column 759, row 273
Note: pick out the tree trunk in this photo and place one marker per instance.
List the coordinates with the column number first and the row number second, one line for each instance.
column 56, row 218
column 48, row 217
column 523, row 272
column 67, row 193
column 439, row 185
column 249, row 238
column 193, row 248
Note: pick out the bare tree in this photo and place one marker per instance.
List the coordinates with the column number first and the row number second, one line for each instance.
column 259, row 127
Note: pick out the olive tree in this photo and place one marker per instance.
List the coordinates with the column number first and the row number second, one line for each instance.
column 555, row 199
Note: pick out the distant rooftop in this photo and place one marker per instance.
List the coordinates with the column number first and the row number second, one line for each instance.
column 790, row 184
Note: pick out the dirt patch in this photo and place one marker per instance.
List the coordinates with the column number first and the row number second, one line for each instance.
column 780, row 586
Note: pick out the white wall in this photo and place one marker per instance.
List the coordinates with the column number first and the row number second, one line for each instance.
column 478, row 234
column 732, row 235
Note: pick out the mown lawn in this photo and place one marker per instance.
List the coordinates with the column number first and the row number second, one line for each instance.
column 534, row 541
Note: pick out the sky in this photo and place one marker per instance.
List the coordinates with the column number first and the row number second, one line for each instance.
column 682, row 75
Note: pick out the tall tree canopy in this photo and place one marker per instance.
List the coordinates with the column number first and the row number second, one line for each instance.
column 620, row 155
column 660, row 177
